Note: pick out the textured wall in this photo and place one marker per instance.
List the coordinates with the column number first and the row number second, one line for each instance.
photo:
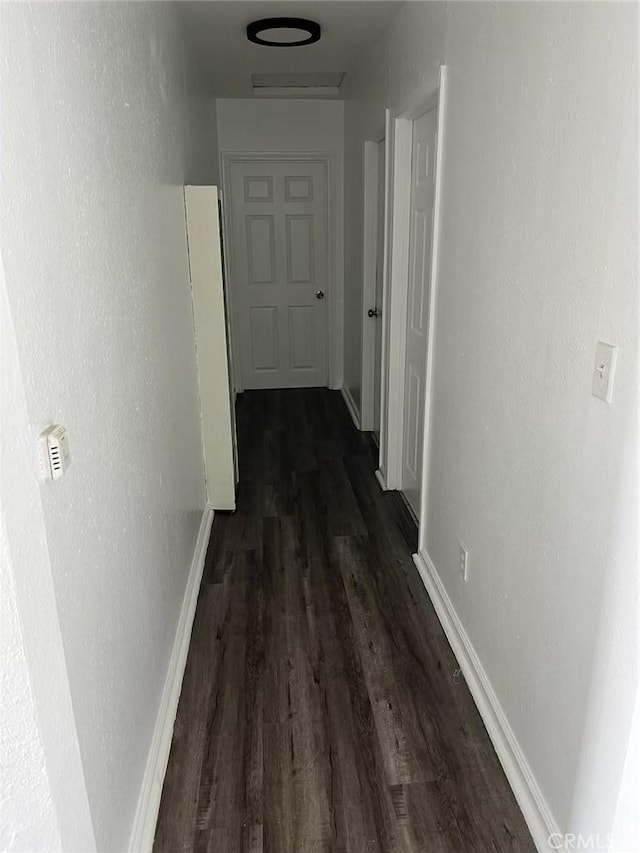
column 28, row 820
column 202, row 155
column 95, row 259
column 538, row 262
column 43, row 794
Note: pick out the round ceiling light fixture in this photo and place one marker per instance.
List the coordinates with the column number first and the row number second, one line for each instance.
column 284, row 32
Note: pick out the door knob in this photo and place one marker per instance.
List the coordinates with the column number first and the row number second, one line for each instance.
column 320, row 294
column 374, row 312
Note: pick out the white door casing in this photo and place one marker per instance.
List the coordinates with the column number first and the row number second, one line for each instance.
column 399, row 149
column 380, row 228
column 388, row 363
column 418, row 303
column 278, row 213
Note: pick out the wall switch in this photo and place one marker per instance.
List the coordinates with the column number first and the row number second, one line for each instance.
column 603, row 371
column 464, row 563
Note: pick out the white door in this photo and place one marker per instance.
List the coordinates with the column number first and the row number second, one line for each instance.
column 280, row 282
column 377, row 364
column 422, row 198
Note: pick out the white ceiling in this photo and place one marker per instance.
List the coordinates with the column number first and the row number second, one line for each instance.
column 222, row 60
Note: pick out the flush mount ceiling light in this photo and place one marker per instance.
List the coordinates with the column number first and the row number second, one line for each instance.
column 283, row 32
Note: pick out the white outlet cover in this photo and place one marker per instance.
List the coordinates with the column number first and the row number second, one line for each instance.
column 603, row 370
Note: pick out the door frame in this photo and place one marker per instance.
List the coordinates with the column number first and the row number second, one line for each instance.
column 369, row 262
column 334, row 257
column 399, row 147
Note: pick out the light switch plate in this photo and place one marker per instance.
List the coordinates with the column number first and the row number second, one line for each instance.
column 464, row 562
column 603, row 370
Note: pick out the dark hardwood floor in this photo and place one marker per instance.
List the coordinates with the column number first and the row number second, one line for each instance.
column 322, row 708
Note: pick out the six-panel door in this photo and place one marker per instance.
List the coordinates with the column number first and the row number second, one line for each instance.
column 280, row 282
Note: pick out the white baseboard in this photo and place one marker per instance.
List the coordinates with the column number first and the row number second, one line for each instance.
column 527, row 792
column 353, row 409
column 381, row 480
column 144, row 824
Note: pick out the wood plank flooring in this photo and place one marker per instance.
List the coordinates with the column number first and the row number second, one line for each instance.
column 322, row 709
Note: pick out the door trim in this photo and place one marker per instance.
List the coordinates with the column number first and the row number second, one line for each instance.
column 400, row 137
column 381, row 472
column 334, row 257
column 369, row 258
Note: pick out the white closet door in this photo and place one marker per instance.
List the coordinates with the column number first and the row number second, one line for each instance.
column 279, row 245
column 422, row 200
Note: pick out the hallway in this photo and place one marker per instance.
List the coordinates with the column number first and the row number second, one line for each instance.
column 321, row 707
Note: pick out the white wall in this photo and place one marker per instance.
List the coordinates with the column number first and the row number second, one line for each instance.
column 94, row 250
column 537, row 263
column 29, row 819
column 202, row 160
column 274, row 125
column 407, row 55
column 43, row 795
column 279, row 125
